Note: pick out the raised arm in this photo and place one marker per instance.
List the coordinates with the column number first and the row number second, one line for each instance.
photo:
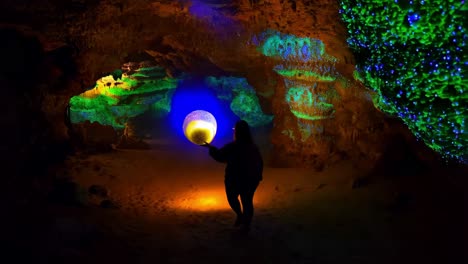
column 219, row 155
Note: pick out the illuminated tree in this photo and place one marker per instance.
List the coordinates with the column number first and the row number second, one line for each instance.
column 413, row 55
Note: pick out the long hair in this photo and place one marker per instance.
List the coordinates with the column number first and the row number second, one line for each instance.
column 242, row 132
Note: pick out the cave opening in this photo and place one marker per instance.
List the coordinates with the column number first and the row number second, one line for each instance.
column 144, row 106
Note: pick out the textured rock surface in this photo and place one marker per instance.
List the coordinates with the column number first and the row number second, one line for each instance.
column 208, row 38
column 95, row 136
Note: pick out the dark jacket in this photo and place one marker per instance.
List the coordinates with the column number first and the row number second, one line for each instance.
column 244, row 161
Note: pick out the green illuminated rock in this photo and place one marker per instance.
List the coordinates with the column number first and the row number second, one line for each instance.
column 244, row 101
column 112, row 102
column 307, row 105
column 305, row 65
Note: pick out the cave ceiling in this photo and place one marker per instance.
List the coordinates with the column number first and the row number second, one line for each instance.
column 201, row 37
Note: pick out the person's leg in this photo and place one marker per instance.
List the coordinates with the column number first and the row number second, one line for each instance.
column 247, row 195
column 232, row 194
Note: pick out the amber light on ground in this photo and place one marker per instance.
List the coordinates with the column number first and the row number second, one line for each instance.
column 203, row 200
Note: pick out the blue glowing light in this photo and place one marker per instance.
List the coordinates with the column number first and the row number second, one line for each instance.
column 201, row 10
column 214, row 19
column 193, row 95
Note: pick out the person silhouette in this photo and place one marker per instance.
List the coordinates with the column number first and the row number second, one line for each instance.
column 243, row 173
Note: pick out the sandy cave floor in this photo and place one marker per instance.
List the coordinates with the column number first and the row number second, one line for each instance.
column 173, row 210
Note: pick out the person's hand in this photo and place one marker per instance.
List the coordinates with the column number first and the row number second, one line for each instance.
column 206, row 145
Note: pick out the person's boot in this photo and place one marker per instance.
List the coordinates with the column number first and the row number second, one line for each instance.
column 238, row 221
column 245, row 226
column 245, row 229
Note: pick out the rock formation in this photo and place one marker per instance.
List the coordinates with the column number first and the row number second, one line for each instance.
column 332, row 116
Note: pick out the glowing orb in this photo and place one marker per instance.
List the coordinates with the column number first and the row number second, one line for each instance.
column 200, row 127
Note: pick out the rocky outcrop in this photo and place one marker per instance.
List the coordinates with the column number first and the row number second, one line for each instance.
column 123, row 95
column 216, row 38
column 94, row 137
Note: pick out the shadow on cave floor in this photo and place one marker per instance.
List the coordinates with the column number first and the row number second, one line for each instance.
column 167, row 205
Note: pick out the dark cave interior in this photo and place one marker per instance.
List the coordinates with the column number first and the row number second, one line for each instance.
column 99, row 165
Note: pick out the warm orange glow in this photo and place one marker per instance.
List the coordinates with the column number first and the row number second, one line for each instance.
column 206, row 200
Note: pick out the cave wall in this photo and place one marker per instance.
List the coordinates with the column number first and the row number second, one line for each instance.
column 30, row 145
column 93, row 38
